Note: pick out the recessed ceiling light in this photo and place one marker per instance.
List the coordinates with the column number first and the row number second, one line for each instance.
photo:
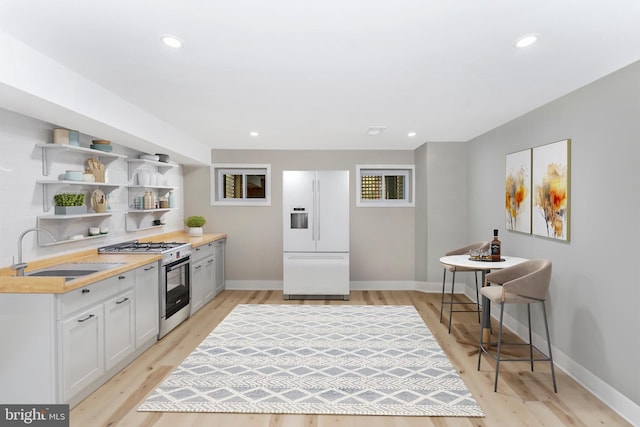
column 172, row 41
column 375, row 130
column 253, row 134
column 411, row 134
column 527, row 40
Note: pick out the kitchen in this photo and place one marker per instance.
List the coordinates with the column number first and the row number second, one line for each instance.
column 398, row 248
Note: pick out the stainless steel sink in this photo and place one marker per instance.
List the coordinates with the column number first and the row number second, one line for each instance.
column 72, row 270
column 63, row 273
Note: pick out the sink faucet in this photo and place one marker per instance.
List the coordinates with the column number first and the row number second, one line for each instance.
column 20, row 266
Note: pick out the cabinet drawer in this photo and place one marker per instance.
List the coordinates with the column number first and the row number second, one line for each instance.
column 89, row 295
column 202, row 252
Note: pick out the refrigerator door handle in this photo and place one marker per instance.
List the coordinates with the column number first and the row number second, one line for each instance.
column 317, row 257
column 318, row 216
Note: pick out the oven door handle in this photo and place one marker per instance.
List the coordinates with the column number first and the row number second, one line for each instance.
column 177, row 264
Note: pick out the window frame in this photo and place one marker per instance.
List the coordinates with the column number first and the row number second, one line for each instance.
column 387, row 170
column 216, row 173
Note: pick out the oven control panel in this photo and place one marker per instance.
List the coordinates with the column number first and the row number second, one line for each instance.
column 176, row 255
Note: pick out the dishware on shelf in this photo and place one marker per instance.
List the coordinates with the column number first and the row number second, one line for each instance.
column 101, row 147
column 73, row 175
column 143, row 178
column 164, row 158
column 66, row 136
column 104, row 230
column 149, row 157
column 101, row 141
column 94, row 231
column 88, row 177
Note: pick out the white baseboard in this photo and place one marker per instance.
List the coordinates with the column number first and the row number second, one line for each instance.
column 603, row 391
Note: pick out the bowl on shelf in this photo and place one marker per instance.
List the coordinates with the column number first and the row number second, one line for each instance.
column 101, row 147
column 74, row 175
column 164, row 158
column 149, row 157
column 101, row 141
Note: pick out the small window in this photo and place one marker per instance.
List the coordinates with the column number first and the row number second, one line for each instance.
column 385, row 185
column 240, row 184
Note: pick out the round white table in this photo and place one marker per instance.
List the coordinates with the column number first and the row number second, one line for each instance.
column 485, row 267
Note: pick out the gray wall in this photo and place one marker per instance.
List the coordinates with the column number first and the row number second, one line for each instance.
column 596, row 279
column 381, row 239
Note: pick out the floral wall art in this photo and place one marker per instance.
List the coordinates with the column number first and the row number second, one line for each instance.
column 551, row 168
column 518, row 192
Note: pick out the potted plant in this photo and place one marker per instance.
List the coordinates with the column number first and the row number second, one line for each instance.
column 69, row 204
column 195, row 224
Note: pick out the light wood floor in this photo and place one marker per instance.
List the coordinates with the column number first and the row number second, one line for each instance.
column 523, row 397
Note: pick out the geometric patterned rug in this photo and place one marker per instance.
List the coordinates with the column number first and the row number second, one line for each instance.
column 317, row 359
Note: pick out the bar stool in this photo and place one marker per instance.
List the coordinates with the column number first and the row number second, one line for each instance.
column 453, row 270
column 525, row 283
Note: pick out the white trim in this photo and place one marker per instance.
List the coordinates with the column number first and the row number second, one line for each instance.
column 402, row 169
column 242, row 168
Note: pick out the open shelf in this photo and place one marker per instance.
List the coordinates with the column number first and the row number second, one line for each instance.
column 50, row 151
column 51, row 187
column 60, row 242
column 161, row 166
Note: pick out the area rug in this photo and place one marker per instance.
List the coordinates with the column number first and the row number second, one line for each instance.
column 317, row 359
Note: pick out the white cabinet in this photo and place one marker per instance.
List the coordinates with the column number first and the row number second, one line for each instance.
column 147, row 304
column 210, row 274
column 219, row 255
column 202, row 275
column 97, row 331
column 82, row 350
column 119, row 328
column 207, row 273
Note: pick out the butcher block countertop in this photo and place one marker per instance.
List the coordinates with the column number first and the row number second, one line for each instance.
column 9, row 283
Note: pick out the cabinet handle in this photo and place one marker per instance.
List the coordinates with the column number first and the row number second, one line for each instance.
column 210, row 261
column 150, row 268
column 122, row 277
column 86, row 291
column 123, row 300
column 86, row 318
column 198, row 267
column 197, row 249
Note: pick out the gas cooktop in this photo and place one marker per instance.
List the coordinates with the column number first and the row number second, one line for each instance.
column 142, row 247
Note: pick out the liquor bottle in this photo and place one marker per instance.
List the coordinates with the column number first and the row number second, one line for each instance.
column 495, row 246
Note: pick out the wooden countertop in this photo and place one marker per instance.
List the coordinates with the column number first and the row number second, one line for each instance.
column 9, row 283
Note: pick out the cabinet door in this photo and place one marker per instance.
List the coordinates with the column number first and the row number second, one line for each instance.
column 198, row 285
column 219, row 268
column 147, row 303
column 82, row 350
column 209, row 279
column 119, row 331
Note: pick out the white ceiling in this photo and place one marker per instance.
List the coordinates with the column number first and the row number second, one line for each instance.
column 316, row 75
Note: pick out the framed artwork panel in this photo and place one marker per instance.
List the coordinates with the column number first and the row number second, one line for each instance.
column 518, row 192
column 551, row 189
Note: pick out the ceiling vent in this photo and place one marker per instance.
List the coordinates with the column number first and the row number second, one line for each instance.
column 375, row 130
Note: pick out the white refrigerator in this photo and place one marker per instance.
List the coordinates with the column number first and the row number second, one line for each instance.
column 315, row 208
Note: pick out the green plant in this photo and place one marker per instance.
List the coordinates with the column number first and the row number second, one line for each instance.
column 195, row 221
column 69, row 199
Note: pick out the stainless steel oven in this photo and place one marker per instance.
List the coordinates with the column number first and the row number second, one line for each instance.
column 175, row 291
column 175, row 283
